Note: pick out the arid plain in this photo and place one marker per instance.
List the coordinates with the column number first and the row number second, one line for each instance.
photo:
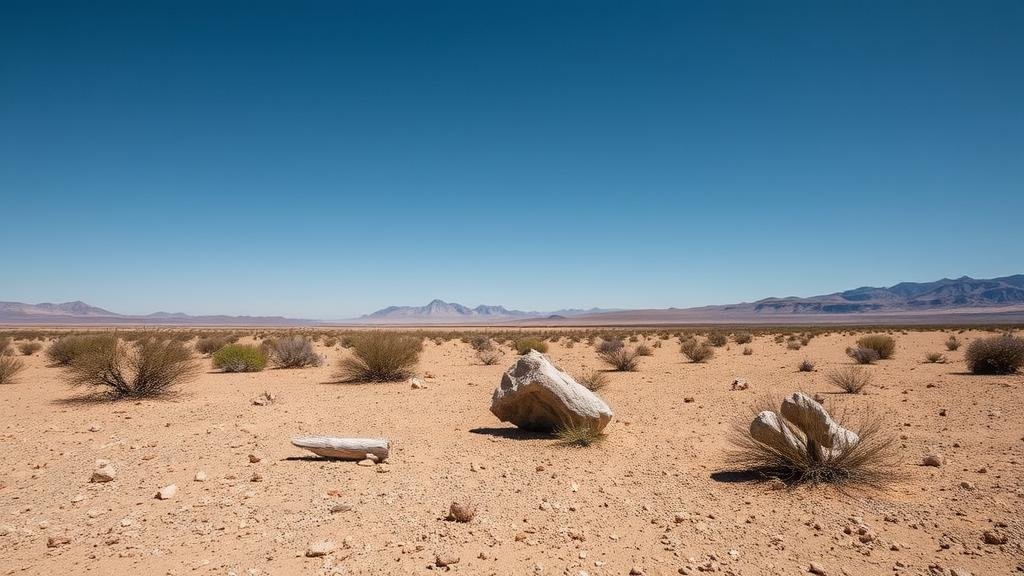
column 658, row 495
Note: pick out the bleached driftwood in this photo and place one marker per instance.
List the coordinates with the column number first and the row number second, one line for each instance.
column 344, row 448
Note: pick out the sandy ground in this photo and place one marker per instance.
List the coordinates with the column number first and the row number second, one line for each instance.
column 647, row 500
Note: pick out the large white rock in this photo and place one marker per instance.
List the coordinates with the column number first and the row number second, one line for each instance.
column 769, row 430
column 344, row 448
column 814, row 421
column 535, row 395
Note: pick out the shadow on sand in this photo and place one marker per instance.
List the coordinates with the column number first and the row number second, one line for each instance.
column 512, row 433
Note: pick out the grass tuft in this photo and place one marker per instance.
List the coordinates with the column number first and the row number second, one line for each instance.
column 380, row 357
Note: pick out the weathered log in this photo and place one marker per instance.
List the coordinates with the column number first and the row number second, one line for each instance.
column 344, row 448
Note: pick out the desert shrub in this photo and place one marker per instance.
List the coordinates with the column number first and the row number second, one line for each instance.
column 717, row 339
column 143, row 369
column 794, row 345
column 481, row 342
column 862, row 355
column 330, row 342
column 644, row 350
column 935, row 357
column 581, row 434
column 995, row 355
column 871, row 462
column 64, row 350
column 621, row 359
column 884, row 345
column 292, row 352
column 779, row 338
column 210, row 344
column 805, row 366
column 609, row 345
column 524, row 345
column 5, row 344
column 747, row 350
column 488, row 357
column 380, row 357
column 952, row 343
column 9, row 369
column 657, row 344
column 29, row 348
column 594, row 380
column 239, row 358
column 696, row 351
column 851, row 379
column 743, row 337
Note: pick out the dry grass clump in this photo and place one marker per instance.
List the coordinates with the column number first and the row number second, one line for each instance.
column 794, row 345
column 143, row 369
column 747, row 350
column 240, row 358
column 29, row 348
column 952, row 343
column 210, row 344
column 481, row 342
column 935, row 357
column 380, row 357
column 805, row 365
column 872, row 462
column 644, row 350
column 524, row 345
column 851, row 379
column 594, row 380
column 862, row 355
column 1002, row 354
column 580, row 434
column 717, row 339
column 65, row 349
column 9, row 369
column 696, row 351
column 884, row 345
column 621, row 359
column 488, row 357
column 743, row 337
column 609, row 345
column 292, row 352
column 5, row 344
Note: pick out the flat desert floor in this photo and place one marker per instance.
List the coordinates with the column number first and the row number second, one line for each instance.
column 650, row 499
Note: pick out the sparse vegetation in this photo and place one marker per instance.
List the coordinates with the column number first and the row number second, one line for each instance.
column 747, row 350
column 210, row 344
column 696, row 351
column 794, row 345
column 5, row 345
column 578, row 434
column 743, row 337
column 644, row 350
column 143, row 369
column 851, row 379
column 1002, row 354
column 594, row 380
column 717, row 339
column 29, row 348
column 291, row 352
column 64, row 350
column 935, row 357
column 380, row 357
column 952, row 343
column 9, row 369
column 488, row 357
column 862, row 355
column 622, row 359
column 870, row 462
column 884, row 345
column 524, row 345
column 239, row 358
column 805, row 365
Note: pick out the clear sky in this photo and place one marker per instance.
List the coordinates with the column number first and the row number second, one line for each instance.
column 325, row 159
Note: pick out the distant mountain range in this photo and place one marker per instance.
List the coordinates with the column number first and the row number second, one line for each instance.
column 948, row 300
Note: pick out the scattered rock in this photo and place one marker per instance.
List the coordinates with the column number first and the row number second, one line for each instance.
column 264, row 399
column 535, row 395
column 200, row 476
column 934, row 459
column 366, row 462
column 740, row 384
column 818, row 569
column 57, row 541
column 417, row 384
column 445, row 559
column 320, row 548
column 461, row 511
column 167, row 492
column 340, row 507
column 95, row 428
column 994, row 537
column 253, row 458
column 103, row 472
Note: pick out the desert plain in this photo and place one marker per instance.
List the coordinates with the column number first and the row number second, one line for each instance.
column 658, row 495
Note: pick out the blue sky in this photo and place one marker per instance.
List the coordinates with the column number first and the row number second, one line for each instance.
column 325, row 159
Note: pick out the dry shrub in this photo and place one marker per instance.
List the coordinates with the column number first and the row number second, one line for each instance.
column 743, row 337
column 524, row 345
column 5, row 344
column 884, row 345
column 696, row 351
column 292, row 352
column 29, row 348
column 481, row 342
column 144, row 369
column 581, row 434
column 644, row 350
column 210, row 344
column 594, row 380
column 952, row 343
column 621, row 359
column 794, row 345
column 851, row 379
column 862, row 355
column 64, row 350
column 747, row 350
column 805, row 365
column 1002, row 354
column 717, row 339
column 935, row 357
column 240, row 358
column 872, row 462
column 9, row 369
column 488, row 357
column 610, row 345
column 380, row 357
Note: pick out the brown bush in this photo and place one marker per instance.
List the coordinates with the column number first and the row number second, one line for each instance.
column 621, row 359
column 851, row 379
column 29, row 348
column 884, row 345
column 145, row 369
column 292, row 352
column 696, row 351
column 862, row 355
column 524, row 345
column 9, row 369
column 594, row 380
column 996, row 355
column 380, row 357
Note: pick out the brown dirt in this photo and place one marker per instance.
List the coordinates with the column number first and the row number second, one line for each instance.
column 653, row 496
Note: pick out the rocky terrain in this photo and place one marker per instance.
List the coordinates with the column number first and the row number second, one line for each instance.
column 207, row 482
